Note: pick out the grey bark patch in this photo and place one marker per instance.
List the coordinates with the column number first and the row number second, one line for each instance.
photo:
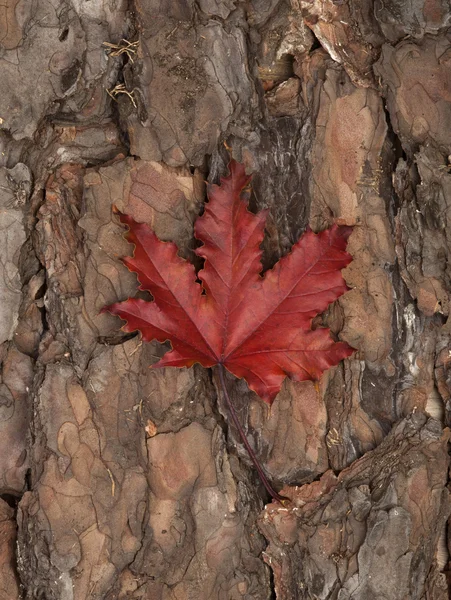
column 14, row 190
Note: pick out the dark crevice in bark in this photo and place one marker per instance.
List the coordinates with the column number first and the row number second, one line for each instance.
column 401, row 295
column 117, row 340
column 392, row 156
column 272, row 585
column 11, row 499
column 125, row 76
column 316, row 43
column 28, row 480
column 117, row 118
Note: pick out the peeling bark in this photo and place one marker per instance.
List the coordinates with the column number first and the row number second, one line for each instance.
column 354, row 535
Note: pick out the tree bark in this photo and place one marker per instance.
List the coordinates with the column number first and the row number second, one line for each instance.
column 117, row 481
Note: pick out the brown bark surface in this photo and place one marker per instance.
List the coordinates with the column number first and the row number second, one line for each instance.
column 119, row 482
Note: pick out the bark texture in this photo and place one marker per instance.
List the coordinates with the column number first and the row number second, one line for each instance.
column 118, row 482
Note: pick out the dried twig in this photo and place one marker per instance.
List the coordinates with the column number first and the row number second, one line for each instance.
column 124, row 47
column 121, row 89
column 248, row 447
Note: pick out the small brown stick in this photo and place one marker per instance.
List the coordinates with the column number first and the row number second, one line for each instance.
column 243, row 437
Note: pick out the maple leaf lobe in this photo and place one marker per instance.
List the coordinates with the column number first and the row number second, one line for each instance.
column 258, row 327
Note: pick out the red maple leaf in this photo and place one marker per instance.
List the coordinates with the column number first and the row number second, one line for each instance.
column 258, row 327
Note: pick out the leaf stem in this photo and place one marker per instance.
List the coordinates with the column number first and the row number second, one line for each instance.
column 251, row 453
